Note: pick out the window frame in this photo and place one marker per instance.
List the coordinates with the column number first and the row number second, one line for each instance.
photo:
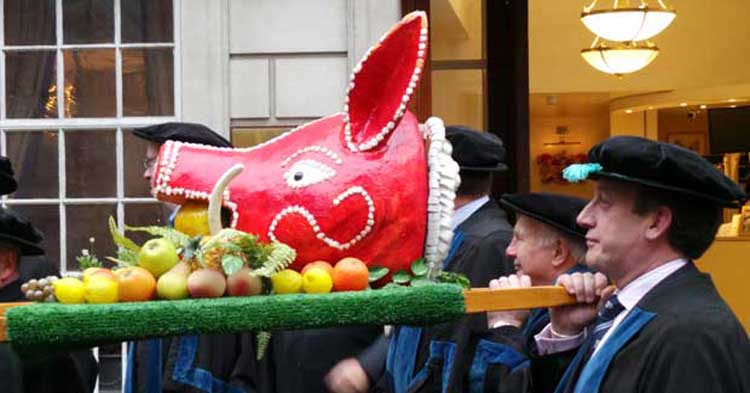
column 61, row 125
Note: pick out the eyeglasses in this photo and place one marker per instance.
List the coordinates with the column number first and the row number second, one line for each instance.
column 148, row 163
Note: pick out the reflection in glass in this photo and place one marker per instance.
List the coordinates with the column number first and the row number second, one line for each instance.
column 133, row 155
column 90, row 164
column 458, row 97
column 84, row 222
column 147, row 82
column 89, row 83
column 34, row 158
column 247, row 137
column 141, row 214
column 46, row 218
column 147, row 21
column 88, row 21
column 456, row 30
column 29, row 22
column 30, row 84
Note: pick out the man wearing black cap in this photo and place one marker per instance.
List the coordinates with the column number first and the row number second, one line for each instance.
column 664, row 328
column 7, row 182
column 205, row 363
column 547, row 242
column 443, row 357
column 67, row 372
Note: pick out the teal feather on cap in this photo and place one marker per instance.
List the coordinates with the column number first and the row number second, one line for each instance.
column 579, row 172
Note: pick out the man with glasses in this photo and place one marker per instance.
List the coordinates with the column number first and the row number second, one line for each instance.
column 204, row 363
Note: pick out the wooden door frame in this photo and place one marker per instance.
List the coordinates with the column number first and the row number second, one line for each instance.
column 507, row 85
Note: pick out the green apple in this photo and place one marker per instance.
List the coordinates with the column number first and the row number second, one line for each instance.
column 158, row 256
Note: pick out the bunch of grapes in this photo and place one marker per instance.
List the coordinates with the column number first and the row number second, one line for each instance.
column 40, row 290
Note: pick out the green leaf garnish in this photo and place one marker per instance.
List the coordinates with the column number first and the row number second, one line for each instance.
column 231, row 264
column 418, row 267
column 378, row 272
column 401, row 277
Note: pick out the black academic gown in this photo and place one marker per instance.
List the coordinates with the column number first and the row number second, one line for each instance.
column 298, row 361
column 458, row 356
column 681, row 337
column 73, row 372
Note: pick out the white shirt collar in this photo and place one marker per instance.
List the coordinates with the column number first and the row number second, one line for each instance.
column 464, row 212
column 638, row 288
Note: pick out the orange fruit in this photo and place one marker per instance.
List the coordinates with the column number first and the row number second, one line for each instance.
column 136, row 284
column 321, row 264
column 192, row 219
column 350, row 274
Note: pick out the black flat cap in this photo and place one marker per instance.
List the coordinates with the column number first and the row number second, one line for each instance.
column 16, row 230
column 182, row 132
column 659, row 165
column 558, row 211
column 7, row 182
column 476, row 151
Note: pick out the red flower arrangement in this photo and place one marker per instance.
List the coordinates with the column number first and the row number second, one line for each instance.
column 552, row 165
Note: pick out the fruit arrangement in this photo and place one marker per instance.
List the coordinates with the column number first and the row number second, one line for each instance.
column 173, row 266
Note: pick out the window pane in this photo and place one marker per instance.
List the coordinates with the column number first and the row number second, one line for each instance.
column 456, row 30
column 84, row 222
column 458, row 97
column 29, row 22
column 247, row 137
column 138, row 214
column 89, row 83
column 147, row 82
column 46, row 218
column 34, row 158
column 90, row 164
column 135, row 152
column 30, row 84
column 88, row 21
column 146, row 21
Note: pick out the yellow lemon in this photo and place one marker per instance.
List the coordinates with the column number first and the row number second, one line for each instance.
column 69, row 290
column 287, row 281
column 192, row 219
column 101, row 290
column 317, row 280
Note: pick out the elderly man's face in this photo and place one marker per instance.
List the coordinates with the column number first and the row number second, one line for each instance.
column 616, row 235
column 533, row 253
column 8, row 264
column 152, row 152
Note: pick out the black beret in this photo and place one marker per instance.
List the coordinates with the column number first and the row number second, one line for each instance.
column 558, row 211
column 182, row 132
column 7, row 182
column 476, row 151
column 16, row 230
column 659, row 165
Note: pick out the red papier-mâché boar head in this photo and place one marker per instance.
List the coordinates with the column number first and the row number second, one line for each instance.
column 361, row 183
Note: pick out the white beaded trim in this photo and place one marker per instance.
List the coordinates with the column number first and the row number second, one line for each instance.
column 319, row 149
column 167, row 165
column 380, row 136
column 296, row 209
column 444, row 180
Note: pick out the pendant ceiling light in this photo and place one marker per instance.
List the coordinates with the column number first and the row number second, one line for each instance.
column 627, row 23
column 621, row 59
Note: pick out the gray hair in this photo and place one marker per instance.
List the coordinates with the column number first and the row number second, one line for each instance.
column 547, row 236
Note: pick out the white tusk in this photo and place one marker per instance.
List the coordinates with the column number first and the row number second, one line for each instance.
column 214, row 202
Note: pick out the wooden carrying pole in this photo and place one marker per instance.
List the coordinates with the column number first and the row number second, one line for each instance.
column 475, row 300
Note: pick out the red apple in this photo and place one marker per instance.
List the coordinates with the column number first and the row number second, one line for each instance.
column 241, row 283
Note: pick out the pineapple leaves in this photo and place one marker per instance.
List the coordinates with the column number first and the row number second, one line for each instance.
column 177, row 238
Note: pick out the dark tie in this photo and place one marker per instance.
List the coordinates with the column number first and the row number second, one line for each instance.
column 607, row 314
